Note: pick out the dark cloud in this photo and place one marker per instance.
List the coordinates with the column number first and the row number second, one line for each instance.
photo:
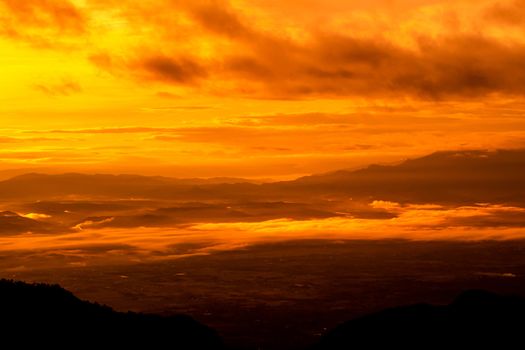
column 188, row 247
column 341, row 65
column 261, row 63
column 83, row 208
column 175, row 70
column 504, row 217
column 218, row 17
column 228, row 212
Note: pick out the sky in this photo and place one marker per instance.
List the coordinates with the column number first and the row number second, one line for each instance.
column 257, row 89
column 268, row 89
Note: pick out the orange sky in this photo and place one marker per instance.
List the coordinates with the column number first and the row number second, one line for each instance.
column 255, row 88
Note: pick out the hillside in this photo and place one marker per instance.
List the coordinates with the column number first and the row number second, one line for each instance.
column 48, row 316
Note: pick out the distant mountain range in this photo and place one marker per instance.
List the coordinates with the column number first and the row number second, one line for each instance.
column 454, row 177
column 442, row 177
column 73, row 185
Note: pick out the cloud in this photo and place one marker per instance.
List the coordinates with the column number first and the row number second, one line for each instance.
column 263, row 63
column 36, row 216
column 94, row 245
column 41, row 22
column 488, row 217
column 379, row 204
column 430, row 223
column 179, row 70
column 219, row 18
column 92, row 223
column 177, row 108
column 6, row 139
column 65, row 87
column 337, row 65
column 119, row 130
column 507, row 13
column 24, row 155
column 243, row 48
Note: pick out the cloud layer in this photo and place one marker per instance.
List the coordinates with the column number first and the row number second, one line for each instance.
column 422, row 49
column 93, row 246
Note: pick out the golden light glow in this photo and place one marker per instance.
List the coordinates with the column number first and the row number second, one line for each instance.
column 92, row 246
column 270, row 168
column 254, row 88
column 266, row 90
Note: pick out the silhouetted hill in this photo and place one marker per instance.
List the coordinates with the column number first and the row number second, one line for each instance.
column 47, row 316
column 452, row 177
column 73, row 185
column 445, row 177
column 476, row 319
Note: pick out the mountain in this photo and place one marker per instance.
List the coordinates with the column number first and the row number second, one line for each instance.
column 452, row 177
column 47, row 316
column 36, row 186
column 476, row 319
column 42, row 316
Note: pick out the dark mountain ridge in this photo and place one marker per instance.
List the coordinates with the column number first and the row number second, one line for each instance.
column 47, row 316
column 475, row 320
column 441, row 177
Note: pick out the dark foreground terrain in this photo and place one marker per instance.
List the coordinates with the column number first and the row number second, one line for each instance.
column 49, row 316
column 287, row 295
column 475, row 320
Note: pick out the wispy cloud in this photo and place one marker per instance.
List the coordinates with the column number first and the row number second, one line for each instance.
column 65, row 87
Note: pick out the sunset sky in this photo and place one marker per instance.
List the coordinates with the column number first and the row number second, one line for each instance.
column 270, row 168
column 255, row 88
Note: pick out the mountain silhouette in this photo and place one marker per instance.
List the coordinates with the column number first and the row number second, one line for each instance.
column 47, row 316
column 451, row 177
column 476, row 319
column 70, row 202
column 41, row 315
column 75, row 185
